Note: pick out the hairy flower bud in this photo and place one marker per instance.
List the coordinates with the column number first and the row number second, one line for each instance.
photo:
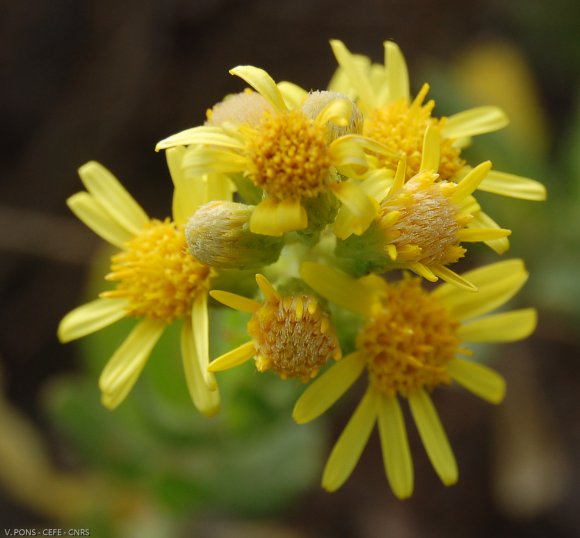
column 218, row 234
column 317, row 100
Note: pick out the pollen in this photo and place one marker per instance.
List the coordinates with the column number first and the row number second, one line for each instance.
column 293, row 337
column 401, row 126
column 409, row 341
column 157, row 275
column 289, row 157
column 422, row 222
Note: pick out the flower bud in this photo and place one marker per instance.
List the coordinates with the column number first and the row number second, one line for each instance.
column 317, row 100
column 241, row 108
column 218, row 235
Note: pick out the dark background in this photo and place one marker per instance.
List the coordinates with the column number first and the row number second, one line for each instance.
column 105, row 80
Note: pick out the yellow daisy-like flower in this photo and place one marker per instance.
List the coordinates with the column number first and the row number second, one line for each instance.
column 396, row 120
column 287, row 154
column 423, row 221
column 291, row 335
column 409, row 344
column 157, row 282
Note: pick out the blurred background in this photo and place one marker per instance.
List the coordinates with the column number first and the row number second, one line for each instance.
column 105, row 80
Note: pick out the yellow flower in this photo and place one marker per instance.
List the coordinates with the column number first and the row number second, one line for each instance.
column 157, row 282
column 408, row 344
column 397, row 121
column 287, row 154
column 291, row 335
column 423, row 221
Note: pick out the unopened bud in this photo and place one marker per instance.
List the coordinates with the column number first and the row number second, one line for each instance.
column 317, row 100
column 218, row 235
column 241, row 108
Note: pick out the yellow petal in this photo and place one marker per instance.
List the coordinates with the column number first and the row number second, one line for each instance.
column 433, row 436
column 470, row 182
column 200, row 327
column 377, row 184
column 322, row 393
column 293, row 94
column 362, row 208
column 275, row 218
column 475, row 121
column 205, row 135
column 431, row 149
column 483, row 220
column 497, row 283
column 218, row 187
column 340, row 81
column 174, row 157
column 374, row 146
column 111, row 400
column 395, row 446
column 291, row 216
column 399, row 180
column 452, row 277
column 91, row 317
column 423, row 271
column 243, row 304
column 188, row 193
column 125, row 365
column 113, row 197
column 337, row 111
column 344, row 223
column 505, row 327
column 92, row 214
column 233, row 358
column 473, row 235
column 338, row 287
column 479, row 379
column 397, row 73
column 263, row 219
column 350, row 444
column 348, row 156
column 513, row 186
column 201, row 160
column 354, row 72
column 378, row 77
column 263, row 83
column 205, row 398
column 266, row 287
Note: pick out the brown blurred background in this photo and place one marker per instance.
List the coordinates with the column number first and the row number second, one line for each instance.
column 105, row 80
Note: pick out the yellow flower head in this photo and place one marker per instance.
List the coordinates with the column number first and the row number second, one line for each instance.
column 288, row 156
column 291, row 154
column 399, row 122
column 158, row 282
column 401, row 125
column 409, row 344
column 423, row 221
column 156, row 274
column 291, row 335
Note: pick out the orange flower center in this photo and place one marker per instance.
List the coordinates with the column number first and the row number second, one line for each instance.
column 293, row 337
column 289, row 156
column 401, row 126
column 157, row 275
column 408, row 341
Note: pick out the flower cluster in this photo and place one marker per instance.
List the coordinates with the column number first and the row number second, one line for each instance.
column 342, row 202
